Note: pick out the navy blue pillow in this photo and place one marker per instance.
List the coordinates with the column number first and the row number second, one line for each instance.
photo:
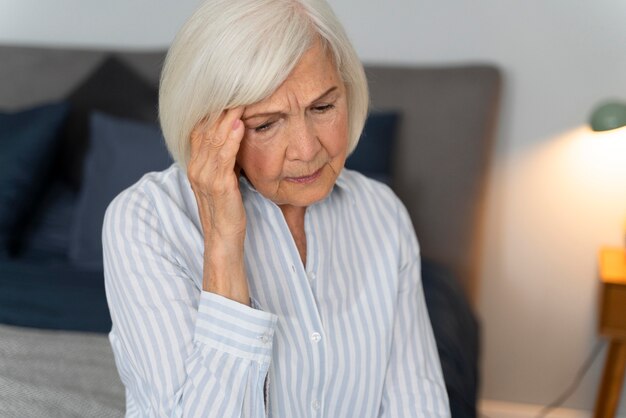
column 113, row 88
column 372, row 155
column 52, row 296
column 121, row 152
column 48, row 236
column 28, row 144
column 457, row 334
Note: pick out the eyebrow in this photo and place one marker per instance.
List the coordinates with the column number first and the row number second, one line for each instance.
column 271, row 112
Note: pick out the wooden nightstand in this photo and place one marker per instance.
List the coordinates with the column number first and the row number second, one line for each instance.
column 612, row 263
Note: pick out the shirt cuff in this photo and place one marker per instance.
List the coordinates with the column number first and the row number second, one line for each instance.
column 235, row 328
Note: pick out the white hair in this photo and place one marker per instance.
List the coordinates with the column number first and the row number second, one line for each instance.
column 238, row 52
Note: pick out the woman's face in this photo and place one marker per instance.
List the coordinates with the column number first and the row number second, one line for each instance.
column 296, row 140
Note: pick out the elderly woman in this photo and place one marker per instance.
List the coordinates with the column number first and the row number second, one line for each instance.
column 256, row 276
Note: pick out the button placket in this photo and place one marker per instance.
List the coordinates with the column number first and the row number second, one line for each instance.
column 313, row 266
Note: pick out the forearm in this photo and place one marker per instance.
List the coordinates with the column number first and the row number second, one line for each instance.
column 224, row 271
column 179, row 352
column 220, row 374
column 235, row 351
column 214, row 179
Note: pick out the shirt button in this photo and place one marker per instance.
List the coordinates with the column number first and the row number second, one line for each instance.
column 316, row 337
column 311, row 275
column 316, row 404
column 264, row 338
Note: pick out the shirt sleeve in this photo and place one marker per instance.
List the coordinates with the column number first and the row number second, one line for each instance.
column 414, row 385
column 180, row 351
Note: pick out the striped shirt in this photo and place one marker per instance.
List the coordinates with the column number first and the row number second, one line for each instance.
column 346, row 335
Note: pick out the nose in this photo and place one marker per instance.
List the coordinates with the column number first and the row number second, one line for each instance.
column 304, row 143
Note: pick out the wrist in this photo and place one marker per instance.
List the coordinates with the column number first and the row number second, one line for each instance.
column 224, row 272
column 221, row 254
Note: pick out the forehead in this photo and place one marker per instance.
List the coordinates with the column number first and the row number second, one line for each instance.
column 313, row 75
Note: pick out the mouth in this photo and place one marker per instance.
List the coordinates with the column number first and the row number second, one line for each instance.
column 306, row 179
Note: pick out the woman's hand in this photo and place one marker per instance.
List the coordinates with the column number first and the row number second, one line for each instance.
column 214, row 178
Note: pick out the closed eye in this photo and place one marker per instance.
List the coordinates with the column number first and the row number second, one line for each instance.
column 323, row 108
column 264, row 127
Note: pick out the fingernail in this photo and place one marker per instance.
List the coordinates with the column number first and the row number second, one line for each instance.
column 236, row 124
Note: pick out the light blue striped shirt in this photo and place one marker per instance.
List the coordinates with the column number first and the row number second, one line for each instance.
column 347, row 335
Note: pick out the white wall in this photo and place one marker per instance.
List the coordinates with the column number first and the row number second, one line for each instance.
column 556, row 195
column 132, row 24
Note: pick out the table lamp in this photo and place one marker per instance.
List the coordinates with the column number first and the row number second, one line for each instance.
column 608, row 116
column 612, row 262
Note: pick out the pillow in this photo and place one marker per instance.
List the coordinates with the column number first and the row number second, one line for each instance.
column 113, row 88
column 52, row 296
column 372, row 155
column 457, row 334
column 28, row 144
column 47, row 236
column 121, row 151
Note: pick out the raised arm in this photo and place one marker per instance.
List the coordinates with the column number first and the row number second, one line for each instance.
column 181, row 351
column 214, row 178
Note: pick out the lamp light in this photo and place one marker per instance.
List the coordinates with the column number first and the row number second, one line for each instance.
column 609, row 115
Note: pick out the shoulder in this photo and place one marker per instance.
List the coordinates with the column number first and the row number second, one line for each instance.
column 378, row 204
column 367, row 192
column 153, row 195
column 150, row 220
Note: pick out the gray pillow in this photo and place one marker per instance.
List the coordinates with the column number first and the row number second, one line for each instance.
column 121, row 151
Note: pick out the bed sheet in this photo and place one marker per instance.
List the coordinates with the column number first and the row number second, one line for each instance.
column 64, row 374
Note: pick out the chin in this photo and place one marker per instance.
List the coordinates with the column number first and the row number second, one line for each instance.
column 306, row 195
column 303, row 196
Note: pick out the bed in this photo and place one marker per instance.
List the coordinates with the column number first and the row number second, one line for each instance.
column 74, row 127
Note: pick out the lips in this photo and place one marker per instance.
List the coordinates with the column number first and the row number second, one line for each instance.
column 306, row 179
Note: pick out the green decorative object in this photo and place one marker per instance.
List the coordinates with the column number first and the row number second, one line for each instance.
column 607, row 116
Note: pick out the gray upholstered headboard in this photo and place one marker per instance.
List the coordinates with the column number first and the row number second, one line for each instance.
column 440, row 158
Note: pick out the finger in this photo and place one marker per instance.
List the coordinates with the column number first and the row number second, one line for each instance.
column 221, row 164
column 215, row 157
column 199, row 133
column 204, row 136
column 231, row 147
column 229, row 123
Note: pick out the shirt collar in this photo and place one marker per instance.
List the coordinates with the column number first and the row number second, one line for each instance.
column 342, row 185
